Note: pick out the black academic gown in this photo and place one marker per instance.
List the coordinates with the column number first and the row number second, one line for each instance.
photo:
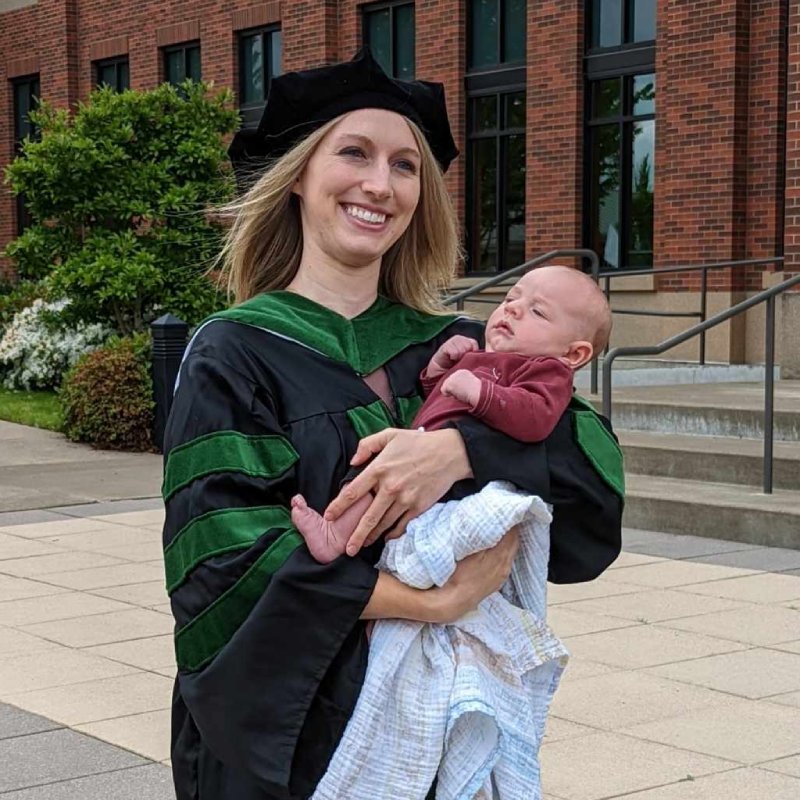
column 270, row 648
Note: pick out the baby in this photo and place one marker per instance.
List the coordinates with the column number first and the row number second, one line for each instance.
column 551, row 323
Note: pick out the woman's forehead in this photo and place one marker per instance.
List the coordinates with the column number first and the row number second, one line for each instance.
column 376, row 124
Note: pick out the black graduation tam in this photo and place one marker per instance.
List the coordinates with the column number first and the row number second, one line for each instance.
column 300, row 102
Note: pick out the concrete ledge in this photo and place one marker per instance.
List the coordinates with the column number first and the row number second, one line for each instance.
column 714, row 510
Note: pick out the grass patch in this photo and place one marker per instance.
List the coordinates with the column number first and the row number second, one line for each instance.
column 38, row 409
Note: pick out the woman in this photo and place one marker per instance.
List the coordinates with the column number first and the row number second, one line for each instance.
column 339, row 252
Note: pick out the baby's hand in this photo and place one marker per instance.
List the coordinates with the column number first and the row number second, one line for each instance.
column 464, row 386
column 451, row 352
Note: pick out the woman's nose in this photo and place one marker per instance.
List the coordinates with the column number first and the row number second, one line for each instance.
column 379, row 182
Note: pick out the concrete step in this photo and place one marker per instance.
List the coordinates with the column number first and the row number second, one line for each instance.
column 713, row 510
column 709, row 458
column 652, row 373
column 728, row 409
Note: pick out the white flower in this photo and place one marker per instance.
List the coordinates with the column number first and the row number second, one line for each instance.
column 37, row 349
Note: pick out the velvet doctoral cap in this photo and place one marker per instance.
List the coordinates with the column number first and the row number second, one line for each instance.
column 301, row 102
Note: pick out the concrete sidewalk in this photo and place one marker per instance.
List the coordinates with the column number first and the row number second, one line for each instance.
column 684, row 682
column 41, row 469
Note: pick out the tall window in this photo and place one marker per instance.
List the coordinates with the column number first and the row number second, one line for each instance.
column 26, row 98
column 113, row 72
column 497, row 33
column 619, row 22
column 181, row 62
column 621, row 108
column 496, row 135
column 389, row 33
column 497, row 181
column 259, row 62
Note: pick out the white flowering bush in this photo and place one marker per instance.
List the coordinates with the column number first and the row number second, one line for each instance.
column 37, row 348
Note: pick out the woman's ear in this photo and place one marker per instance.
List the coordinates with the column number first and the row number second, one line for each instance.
column 578, row 354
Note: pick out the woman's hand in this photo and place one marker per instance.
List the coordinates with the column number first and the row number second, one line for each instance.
column 476, row 577
column 412, row 470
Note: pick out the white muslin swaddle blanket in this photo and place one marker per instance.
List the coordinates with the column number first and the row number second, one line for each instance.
column 468, row 701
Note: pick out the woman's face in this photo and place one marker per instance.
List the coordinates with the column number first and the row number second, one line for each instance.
column 360, row 188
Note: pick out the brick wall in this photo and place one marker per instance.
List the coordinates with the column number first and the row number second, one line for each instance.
column 720, row 119
column 554, row 142
column 792, row 218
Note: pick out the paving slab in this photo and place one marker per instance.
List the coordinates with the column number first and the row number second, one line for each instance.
column 617, row 701
column 151, row 782
column 647, row 646
column 146, row 734
column 786, row 766
column 765, row 588
column 745, row 731
column 62, row 666
column 752, row 673
column 64, row 605
column 737, row 783
column 50, row 756
column 675, row 545
column 16, row 722
column 772, row 559
column 653, row 605
column 753, row 625
column 605, row 765
column 92, row 701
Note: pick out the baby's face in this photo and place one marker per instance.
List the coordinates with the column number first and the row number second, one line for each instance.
column 540, row 316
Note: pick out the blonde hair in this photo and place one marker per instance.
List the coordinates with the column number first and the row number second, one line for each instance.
column 263, row 246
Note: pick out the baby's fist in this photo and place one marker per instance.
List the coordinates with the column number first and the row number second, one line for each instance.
column 464, row 386
column 453, row 350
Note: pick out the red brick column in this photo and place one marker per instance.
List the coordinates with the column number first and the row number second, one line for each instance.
column 440, row 55
column 765, row 136
column 310, row 36
column 701, row 130
column 554, row 140
column 792, row 213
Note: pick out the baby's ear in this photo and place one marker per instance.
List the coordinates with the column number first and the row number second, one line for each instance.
column 578, row 354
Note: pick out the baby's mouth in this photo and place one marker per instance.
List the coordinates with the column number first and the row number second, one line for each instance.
column 504, row 327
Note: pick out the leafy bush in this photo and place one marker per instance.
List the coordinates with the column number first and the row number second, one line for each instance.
column 38, row 347
column 119, row 193
column 107, row 398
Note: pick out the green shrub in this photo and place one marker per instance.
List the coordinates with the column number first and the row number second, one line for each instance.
column 107, row 398
column 118, row 192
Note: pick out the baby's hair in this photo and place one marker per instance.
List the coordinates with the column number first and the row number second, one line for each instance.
column 596, row 313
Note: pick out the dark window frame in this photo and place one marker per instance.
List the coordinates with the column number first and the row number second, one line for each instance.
column 21, row 131
column 184, row 47
column 625, row 119
column 390, row 5
column 115, row 62
column 251, row 112
column 503, row 78
column 627, row 42
column 501, row 65
column 623, row 62
column 501, row 135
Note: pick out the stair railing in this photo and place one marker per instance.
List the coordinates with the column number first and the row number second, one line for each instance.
column 701, row 313
column 501, row 277
column 767, row 296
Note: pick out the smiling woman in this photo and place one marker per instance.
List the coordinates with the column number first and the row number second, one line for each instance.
column 336, row 255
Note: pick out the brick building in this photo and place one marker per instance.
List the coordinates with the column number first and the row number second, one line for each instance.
column 656, row 132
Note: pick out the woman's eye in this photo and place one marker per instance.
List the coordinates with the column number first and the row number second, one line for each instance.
column 406, row 166
column 352, row 151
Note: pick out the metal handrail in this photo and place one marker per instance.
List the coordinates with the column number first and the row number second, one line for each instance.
column 766, row 296
column 701, row 313
column 460, row 297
